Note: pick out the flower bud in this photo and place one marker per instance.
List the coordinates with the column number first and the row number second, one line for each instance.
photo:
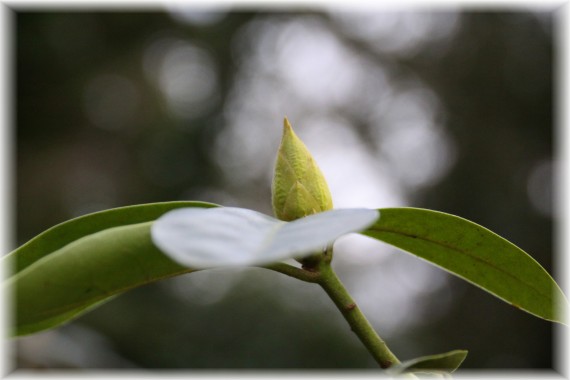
column 299, row 187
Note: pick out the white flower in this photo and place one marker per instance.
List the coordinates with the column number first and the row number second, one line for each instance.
column 227, row 236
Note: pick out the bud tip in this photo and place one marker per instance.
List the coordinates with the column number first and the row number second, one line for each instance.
column 286, row 125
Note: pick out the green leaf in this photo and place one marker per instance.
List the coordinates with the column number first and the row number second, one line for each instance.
column 475, row 254
column 73, row 229
column 81, row 264
column 88, row 271
column 77, row 265
column 228, row 236
column 435, row 364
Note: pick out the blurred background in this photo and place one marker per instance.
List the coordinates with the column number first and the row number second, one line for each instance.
column 451, row 110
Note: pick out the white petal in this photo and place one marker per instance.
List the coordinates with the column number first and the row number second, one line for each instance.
column 227, row 236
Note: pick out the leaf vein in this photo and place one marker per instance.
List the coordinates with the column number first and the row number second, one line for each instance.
column 459, row 250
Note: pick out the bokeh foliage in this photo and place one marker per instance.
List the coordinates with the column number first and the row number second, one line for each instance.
column 104, row 120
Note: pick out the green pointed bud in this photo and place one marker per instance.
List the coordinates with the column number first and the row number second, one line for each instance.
column 299, row 187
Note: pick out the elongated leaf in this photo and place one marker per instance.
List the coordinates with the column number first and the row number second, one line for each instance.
column 200, row 238
column 447, row 363
column 73, row 229
column 475, row 254
column 81, row 263
column 84, row 273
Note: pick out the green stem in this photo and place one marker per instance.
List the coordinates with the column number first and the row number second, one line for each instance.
column 295, row 272
column 323, row 274
column 329, row 281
